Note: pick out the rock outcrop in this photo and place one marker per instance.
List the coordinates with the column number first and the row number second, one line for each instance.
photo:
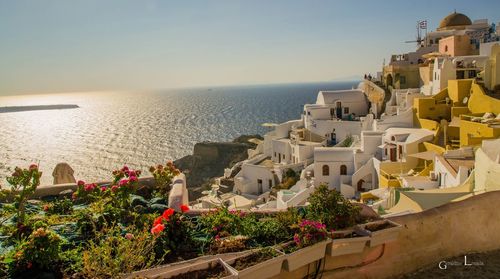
column 209, row 160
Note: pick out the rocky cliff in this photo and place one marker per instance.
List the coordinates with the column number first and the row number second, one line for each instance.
column 209, row 159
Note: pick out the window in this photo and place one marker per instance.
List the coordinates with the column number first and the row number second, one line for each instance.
column 283, row 156
column 445, row 48
column 326, row 170
column 400, row 151
column 346, row 110
column 343, row 170
column 435, row 76
column 308, row 113
column 270, row 183
column 402, row 79
column 274, row 154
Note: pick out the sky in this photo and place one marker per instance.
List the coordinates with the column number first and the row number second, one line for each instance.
column 91, row 45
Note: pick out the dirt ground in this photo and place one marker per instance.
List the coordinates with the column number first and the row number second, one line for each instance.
column 481, row 265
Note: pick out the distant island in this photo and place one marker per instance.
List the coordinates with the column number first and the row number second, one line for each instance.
column 39, row 107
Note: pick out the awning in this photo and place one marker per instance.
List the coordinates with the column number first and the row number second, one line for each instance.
column 426, row 155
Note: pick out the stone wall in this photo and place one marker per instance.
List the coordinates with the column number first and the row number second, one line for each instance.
column 471, row 225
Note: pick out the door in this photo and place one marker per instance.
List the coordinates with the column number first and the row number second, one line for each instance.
column 339, row 110
column 259, row 186
column 393, row 154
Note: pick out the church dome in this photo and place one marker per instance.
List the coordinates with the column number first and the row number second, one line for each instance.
column 454, row 21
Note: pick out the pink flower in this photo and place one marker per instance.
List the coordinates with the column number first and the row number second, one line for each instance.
column 33, row 167
column 132, row 173
column 129, row 236
column 184, row 208
column 133, row 179
column 103, row 189
column 217, row 237
column 124, row 169
column 123, row 182
column 114, row 188
column 157, row 229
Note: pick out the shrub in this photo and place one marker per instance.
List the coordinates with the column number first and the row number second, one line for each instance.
column 310, row 232
column 331, row 208
column 163, row 176
column 222, row 222
column 62, row 207
column 41, row 250
column 172, row 231
column 265, row 232
column 112, row 254
column 24, row 183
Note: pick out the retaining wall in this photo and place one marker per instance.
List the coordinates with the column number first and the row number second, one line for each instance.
column 471, row 225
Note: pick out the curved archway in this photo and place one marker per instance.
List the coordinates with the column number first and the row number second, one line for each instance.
column 343, row 170
column 326, row 170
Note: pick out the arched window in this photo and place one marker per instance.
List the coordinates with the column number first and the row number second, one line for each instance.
column 445, row 48
column 326, row 170
column 343, row 170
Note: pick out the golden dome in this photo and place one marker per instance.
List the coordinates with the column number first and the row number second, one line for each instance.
column 453, row 21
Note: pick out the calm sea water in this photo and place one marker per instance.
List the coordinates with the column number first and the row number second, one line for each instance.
column 140, row 128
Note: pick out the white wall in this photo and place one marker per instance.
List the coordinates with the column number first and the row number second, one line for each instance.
column 247, row 178
column 334, row 158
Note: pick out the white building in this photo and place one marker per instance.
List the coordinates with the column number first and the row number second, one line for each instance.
column 349, row 169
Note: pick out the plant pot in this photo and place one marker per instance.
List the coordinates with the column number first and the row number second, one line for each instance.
column 197, row 270
column 345, row 243
column 380, row 232
column 305, row 255
column 261, row 270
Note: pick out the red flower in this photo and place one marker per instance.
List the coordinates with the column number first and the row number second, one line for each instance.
column 157, row 229
column 33, row 167
column 29, row 265
column 81, row 183
column 184, row 208
column 114, row 188
column 167, row 213
column 158, row 220
column 103, row 189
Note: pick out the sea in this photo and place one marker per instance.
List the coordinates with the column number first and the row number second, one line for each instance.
column 140, row 129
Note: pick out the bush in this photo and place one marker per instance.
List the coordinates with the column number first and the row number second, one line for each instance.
column 112, row 254
column 62, row 207
column 40, row 251
column 163, row 176
column 310, row 232
column 24, row 183
column 331, row 208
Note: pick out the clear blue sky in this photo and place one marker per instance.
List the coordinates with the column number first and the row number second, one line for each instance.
column 60, row 46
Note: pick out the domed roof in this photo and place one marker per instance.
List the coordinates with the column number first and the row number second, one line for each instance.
column 454, row 20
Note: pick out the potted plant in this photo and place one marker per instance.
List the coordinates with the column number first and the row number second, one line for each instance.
column 347, row 242
column 308, row 245
column 380, row 231
column 215, row 268
column 262, row 263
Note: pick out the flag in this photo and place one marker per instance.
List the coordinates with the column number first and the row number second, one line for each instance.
column 423, row 24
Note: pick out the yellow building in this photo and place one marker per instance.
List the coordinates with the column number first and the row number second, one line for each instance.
column 461, row 114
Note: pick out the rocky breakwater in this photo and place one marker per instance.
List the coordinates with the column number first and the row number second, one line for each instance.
column 209, row 159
